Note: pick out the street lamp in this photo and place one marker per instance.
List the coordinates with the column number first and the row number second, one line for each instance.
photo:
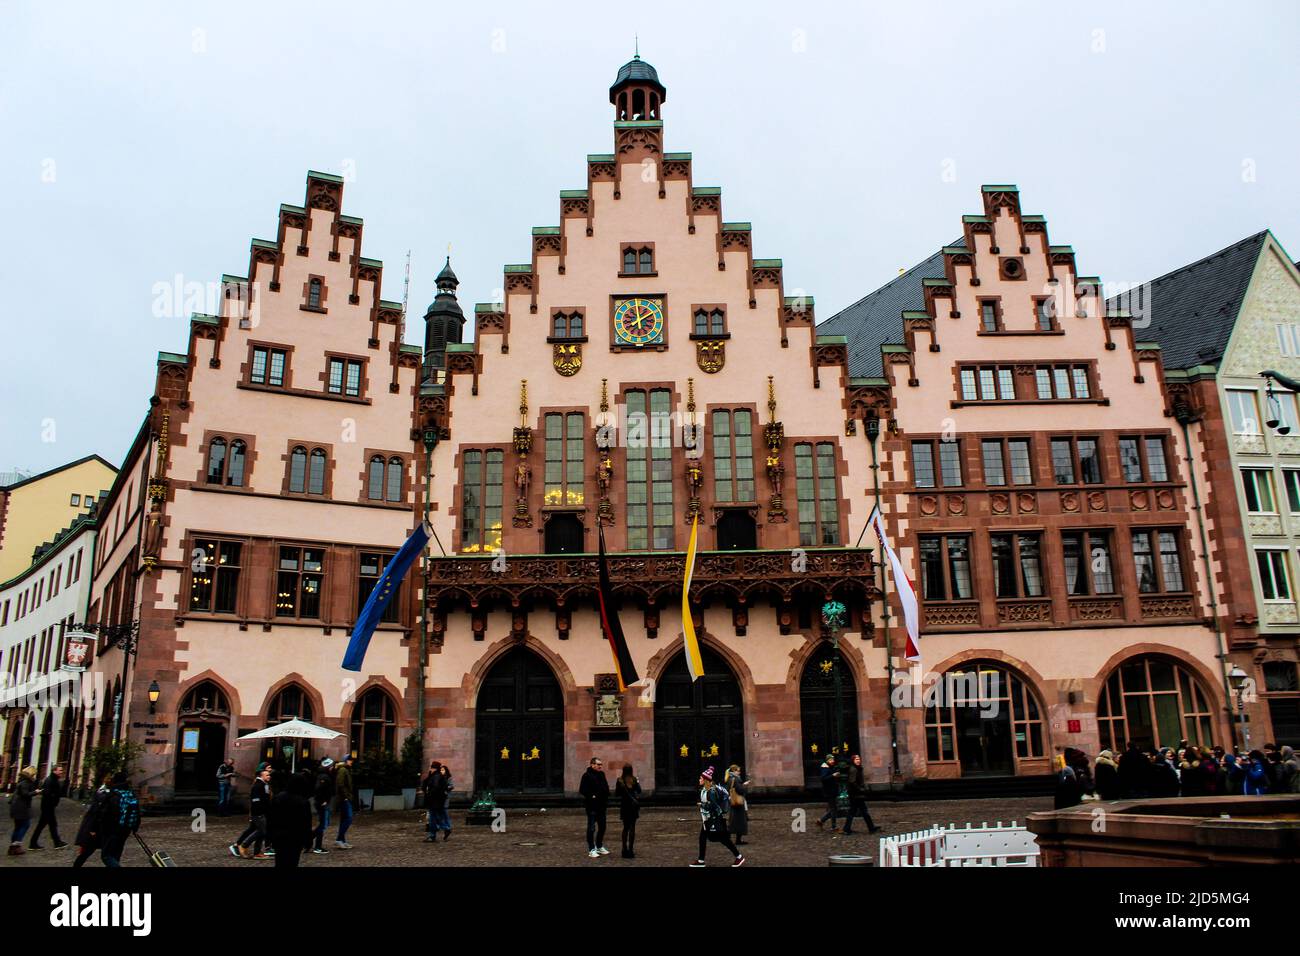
column 1238, row 678
column 430, row 438
column 154, row 693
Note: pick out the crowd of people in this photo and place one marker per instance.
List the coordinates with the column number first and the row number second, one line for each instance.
column 723, row 806
column 283, row 805
column 1188, row 771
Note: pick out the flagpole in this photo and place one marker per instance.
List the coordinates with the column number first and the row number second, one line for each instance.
column 430, row 442
column 873, row 433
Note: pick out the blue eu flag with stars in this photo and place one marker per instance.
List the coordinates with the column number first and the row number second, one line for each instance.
column 381, row 594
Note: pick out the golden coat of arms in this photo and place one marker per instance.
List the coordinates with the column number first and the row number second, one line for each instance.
column 711, row 355
column 567, row 358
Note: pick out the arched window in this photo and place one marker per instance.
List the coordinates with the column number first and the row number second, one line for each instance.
column 701, row 322
column 313, row 294
column 629, row 261
column 717, row 322
column 986, row 718
column 575, row 324
column 206, row 696
column 235, row 469
column 374, row 722
column 375, row 481
column 560, row 325
column 316, row 480
column 1155, row 702
column 298, row 470
column 394, row 490
column 291, row 703
column 216, row 461
column 647, row 261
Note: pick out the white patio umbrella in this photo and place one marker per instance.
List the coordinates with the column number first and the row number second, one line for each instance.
column 296, row 729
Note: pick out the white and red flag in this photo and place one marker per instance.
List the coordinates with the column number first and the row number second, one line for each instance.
column 903, row 584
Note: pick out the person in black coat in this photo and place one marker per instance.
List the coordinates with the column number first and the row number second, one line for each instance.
column 249, row 844
column 1106, row 776
column 289, row 821
column 628, row 791
column 20, row 809
column 594, row 789
column 1164, row 778
column 51, row 794
column 1068, row 789
column 1134, row 772
column 830, row 780
column 322, row 796
column 435, row 788
column 119, row 818
column 87, row 839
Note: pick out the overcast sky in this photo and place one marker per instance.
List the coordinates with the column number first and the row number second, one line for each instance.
column 140, row 142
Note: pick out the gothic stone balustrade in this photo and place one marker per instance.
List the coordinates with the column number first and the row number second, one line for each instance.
column 654, row 578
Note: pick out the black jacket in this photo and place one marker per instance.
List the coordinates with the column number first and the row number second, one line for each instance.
column 629, row 804
column 594, row 789
column 1134, row 773
column 289, row 821
column 1107, row 778
column 324, row 790
column 20, row 801
column 51, row 794
column 830, row 777
column 259, row 803
column 435, row 788
column 857, row 783
column 88, row 832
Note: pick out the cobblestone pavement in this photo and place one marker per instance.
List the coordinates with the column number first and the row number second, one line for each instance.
column 666, row 836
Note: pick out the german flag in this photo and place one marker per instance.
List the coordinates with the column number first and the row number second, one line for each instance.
column 609, row 623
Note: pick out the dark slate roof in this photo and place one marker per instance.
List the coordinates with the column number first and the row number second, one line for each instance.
column 1190, row 312
column 637, row 69
column 877, row 319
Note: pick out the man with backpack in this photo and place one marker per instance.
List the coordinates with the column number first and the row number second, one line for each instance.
column 120, row 819
column 714, row 805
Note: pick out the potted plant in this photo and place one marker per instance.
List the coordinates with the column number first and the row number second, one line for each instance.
column 412, row 758
column 109, row 759
column 481, row 810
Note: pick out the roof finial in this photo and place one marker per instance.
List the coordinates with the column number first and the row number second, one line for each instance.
column 636, row 47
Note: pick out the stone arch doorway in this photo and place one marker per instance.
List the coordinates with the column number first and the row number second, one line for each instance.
column 697, row 723
column 519, row 727
column 203, row 723
column 987, row 722
column 817, row 710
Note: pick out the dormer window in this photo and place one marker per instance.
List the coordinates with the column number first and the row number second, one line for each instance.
column 638, row 260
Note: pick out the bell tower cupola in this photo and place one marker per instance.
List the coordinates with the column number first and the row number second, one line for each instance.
column 444, row 322
column 637, row 93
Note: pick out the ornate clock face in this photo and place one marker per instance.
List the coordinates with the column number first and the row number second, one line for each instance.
column 639, row 322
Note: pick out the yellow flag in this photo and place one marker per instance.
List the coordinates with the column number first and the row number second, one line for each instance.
column 694, row 664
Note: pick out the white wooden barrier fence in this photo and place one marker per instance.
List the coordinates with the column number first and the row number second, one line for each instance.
column 970, row 845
